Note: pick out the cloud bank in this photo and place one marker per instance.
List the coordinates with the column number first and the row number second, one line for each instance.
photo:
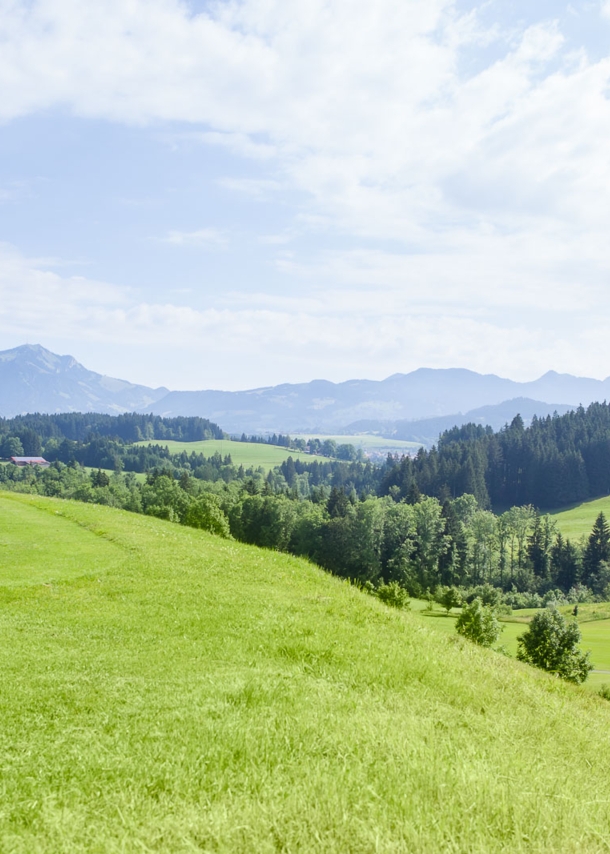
column 459, row 165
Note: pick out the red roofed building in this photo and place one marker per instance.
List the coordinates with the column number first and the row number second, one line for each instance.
column 30, row 461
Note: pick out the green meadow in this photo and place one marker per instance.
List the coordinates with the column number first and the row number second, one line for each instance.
column 594, row 623
column 575, row 521
column 165, row 690
column 246, row 454
column 139, row 476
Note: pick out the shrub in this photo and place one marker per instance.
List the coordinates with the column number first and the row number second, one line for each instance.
column 604, row 691
column 519, row 600
column 449, row 597
column 579, row 594
column 478, row 623
column 392, row 594
column 486, row 593
column 207, row 514
column 551, row 644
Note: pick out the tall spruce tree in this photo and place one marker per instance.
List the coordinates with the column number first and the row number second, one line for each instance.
column 597, row 550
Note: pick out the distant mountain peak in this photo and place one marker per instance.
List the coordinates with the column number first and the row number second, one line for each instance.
column 33, row 379
column 426, row 393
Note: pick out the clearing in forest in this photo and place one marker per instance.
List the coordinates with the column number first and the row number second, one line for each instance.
column 246, row 454
column 576, row 520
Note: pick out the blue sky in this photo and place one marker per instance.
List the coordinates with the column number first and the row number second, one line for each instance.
column 237, row 194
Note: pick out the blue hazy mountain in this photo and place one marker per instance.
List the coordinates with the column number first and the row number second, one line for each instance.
column 322, row 406
column 33, row 379
column 419, row 404
column 427, row 430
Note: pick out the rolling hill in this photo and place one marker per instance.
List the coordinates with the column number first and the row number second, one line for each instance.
column 165, row 690
column 577, row 521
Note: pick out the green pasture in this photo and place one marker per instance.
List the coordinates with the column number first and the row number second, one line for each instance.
column 46, row 548
column 594, row 621
column 575, row 521
column 139, row 476
column 164, row 690
column 246, row 454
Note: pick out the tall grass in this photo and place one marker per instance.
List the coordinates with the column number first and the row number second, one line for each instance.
column 185, row 693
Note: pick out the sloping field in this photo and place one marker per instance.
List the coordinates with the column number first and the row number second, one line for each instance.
column 578, row 520
column 186, row 693
column 244, row 454
column 595, row 637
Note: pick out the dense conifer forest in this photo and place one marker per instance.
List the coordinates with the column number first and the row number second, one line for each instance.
column 556, row 461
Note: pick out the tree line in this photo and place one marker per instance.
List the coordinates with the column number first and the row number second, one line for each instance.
column 422, row 544
column 36, row 429
column 96, row 439
column 311, row 445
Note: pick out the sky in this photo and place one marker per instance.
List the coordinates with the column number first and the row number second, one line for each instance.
column 238, row 194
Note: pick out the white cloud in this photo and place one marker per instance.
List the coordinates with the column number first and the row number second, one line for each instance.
column 237, row 143
column 210, row 238
column 244, row 340
column 361, row 106
column 492, row 184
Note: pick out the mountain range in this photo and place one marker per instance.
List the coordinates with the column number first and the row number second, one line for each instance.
column 415, row 406
column 322, row 406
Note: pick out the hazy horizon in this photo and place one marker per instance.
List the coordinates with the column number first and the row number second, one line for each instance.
column 313, row 379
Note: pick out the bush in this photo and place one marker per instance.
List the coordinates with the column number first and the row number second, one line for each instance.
column 518, row 600
column 206, row 513
column 579, row 594
column 392, row 594
column 486, row 593
column 551, row 644
column 478, row 623
column 448, row 597
column 604, row 692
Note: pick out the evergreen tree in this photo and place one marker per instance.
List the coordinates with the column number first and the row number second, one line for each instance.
column 338, row 504
column 597, row 550
column 565, row 564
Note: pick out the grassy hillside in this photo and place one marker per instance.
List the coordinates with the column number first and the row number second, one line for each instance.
column 594, row 626
column 163, row 690
column 575, row 521
column 242, row 453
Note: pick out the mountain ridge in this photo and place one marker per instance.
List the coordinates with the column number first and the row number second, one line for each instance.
column 323, row 406
column 33, row 379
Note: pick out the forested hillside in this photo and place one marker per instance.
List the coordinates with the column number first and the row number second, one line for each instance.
column 556, row 461
column 129, row 427
column 421, row 523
